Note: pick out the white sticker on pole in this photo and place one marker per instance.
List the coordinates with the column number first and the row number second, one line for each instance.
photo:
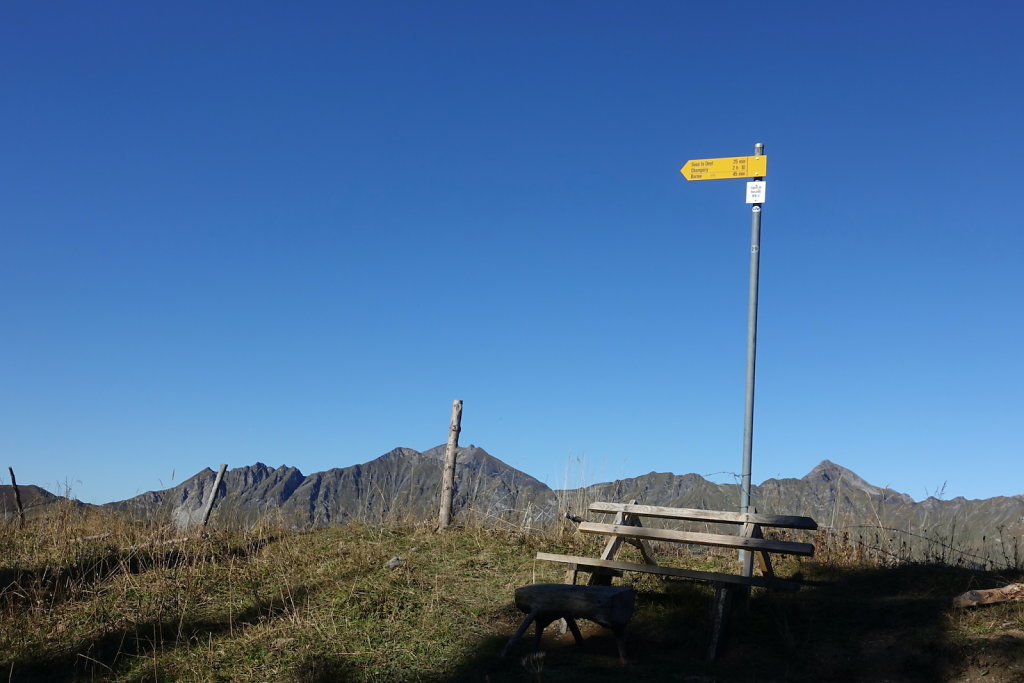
column 755, row 191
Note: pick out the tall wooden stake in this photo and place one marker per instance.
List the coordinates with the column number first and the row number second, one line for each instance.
column 17, row 498
column 213, row 494
column 448, row 480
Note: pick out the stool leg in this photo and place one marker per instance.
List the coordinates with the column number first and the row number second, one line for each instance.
column 541, row 623
column 519, row 632
column 575, row 630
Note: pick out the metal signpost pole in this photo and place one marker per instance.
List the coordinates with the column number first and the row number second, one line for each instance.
column 755, row 167
column 748, row 422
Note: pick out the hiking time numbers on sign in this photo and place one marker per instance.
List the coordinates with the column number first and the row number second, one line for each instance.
column 726, row 167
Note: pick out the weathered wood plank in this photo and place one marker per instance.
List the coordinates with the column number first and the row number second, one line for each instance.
column 1015, row 591
column 694, row 515
column 763, row 559
column 612, row 546
column 604, row 578
column 760, row 581
column 699, row 538
column 641, row 544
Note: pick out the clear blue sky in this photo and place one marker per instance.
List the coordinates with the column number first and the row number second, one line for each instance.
column 294, row 232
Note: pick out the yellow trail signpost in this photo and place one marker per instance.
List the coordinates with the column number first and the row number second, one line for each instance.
column 726, row 167
column 743, row 167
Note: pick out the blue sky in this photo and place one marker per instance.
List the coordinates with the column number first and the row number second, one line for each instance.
column 293, row 233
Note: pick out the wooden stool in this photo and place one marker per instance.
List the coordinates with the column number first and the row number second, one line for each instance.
column 608, row 606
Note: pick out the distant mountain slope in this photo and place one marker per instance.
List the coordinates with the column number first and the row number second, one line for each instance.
column 401, row 483
column 953, row 530
column 34, row 501
column 826, row 489
column 246, row 494
column 404, row 484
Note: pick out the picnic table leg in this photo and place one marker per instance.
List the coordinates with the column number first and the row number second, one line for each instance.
column 720, row 610
column 620, row 641
column 597, row 577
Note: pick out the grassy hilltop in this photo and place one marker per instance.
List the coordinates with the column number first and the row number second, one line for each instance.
column 141, row 603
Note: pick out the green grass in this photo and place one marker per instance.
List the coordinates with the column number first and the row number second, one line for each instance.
column 273, row 605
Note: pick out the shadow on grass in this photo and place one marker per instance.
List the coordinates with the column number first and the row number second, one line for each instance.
column 116, row 651
column 883, row 624
column 668, row 632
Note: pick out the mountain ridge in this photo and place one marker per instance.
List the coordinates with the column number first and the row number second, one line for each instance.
column 403, row 485
column 402, row 481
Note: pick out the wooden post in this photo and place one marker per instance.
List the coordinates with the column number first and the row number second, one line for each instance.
column 448, row 480
column 17, row 498
column 213, row 494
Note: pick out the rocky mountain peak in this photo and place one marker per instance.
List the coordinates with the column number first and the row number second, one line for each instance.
column 829, row 472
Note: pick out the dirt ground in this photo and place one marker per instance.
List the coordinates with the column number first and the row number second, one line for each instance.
column 996, row 658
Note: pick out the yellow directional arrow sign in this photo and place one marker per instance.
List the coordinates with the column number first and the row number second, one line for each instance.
column 726, row 167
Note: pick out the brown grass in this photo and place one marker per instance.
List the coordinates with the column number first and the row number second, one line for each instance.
column 147, row 602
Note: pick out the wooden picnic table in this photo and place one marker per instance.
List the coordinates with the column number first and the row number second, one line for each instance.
column 627, row 527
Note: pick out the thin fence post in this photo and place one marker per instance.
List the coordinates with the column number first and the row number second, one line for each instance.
column 448, row 480
column 213, row 494
column 17, row 499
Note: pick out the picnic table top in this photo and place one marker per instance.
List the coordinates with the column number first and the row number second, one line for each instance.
column 697, row 515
